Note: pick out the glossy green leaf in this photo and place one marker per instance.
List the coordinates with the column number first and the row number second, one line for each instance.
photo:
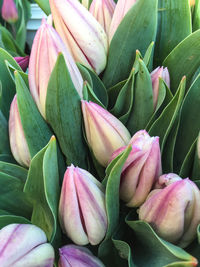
column 134, row 32
column 5, row 143
column 189, row 124
column 155, row 251
column 8, row 219
column 14, row 170
column 163, row 125
column 89, row 95
column 124, row 102
column 174, row 25
column 8, row 86
column 12, row 197
column 184, row 54
column 95, row 83
column 42, row 187
column 196, row 16
column 63, row 111
column 142, row 108
column 36, row 130
column 112, row 201
column 44, row 4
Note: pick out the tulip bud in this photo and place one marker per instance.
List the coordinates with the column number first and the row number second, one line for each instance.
column 141, row 169
column 24, row 245
column 18, row 142
column 82, row 210
column 81, row 33
column 192, row 3
column 76, row 256
column 159, row 72
column 174, row 211
column 46, row 47
column 104, row 132
column 103, row 11
column 9, row 11
column 121, row 9
column 23, row 62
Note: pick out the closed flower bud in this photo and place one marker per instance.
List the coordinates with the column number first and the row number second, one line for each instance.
column 82, row 210
column 23, row 62
column 104, row 132
column 18, row 142
column 81, row 33
column 46, row 47
column 159, row 72
column 174, row 211
column 103, row 11
column 9, row 11
column 121, row 9
column 141, row 169
column 77, row 256
column 25, row 245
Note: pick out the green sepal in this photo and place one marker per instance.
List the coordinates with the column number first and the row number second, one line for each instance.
column 42, row 188
column 63, row 112
column 36, row 131
column 186, row 53
column 134, row 32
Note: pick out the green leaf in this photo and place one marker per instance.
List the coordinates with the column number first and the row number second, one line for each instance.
column 7, row 84
column 142, row 109
column 186, row 167
column 9, row 219
column 12, row 197
column 44, row 4
column 184, row 54
column 89, row 95
column 174, row 25
column 196, row 16
column 113, row 93
column 134, row 32
column 196, row 166
column 14, row 170
column 124, row 102
column 63, row 112
column 163, row 125
column 36, row 131
column 7, row 158
column 155, row 251
column 189, row 125
column 42, row 187
column 96, row 84
column 112, row 200
column 4, row 137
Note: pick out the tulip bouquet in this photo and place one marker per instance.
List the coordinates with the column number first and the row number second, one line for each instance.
column 99, row 138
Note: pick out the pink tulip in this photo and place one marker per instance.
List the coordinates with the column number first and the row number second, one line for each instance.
column 24, row 245
column 121, row 9
column 77, row 256
column 104, row 132
column 23, row 62
column 174, row 211
column 159, row 72
column 18, row 142
column 81, row 33
column 9, row 11
column 141, row 169
column 103, row 11
column 46, row 47
column 82, row 210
